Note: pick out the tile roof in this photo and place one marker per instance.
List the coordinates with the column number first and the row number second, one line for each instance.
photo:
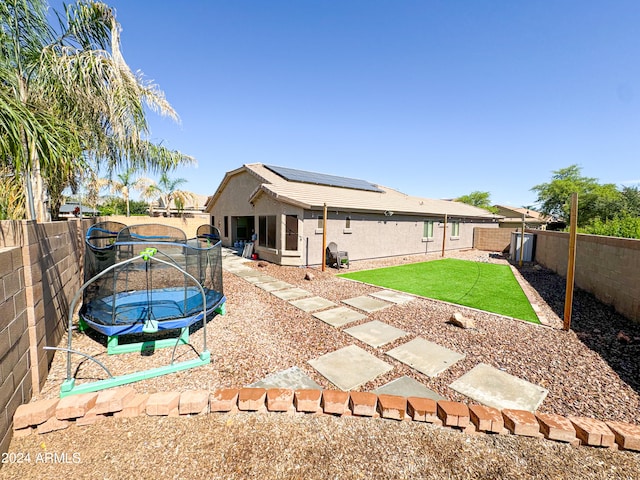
column 314, row 196
column 517, row 212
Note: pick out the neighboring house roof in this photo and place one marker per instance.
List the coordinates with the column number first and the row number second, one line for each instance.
column 313, row 196
column 512, row 214
column 197, row 203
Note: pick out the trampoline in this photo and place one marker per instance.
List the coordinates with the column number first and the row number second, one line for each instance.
column 141, row 281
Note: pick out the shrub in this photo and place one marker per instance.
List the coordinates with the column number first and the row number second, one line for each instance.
column 626, row 226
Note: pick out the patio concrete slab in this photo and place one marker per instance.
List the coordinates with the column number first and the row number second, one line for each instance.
column 426, row 357
column 292, row 378
column 498, row 389
column 392, row 296
column 337, row 317
column 349, row 367
column 367, row 304
column 312, row 304
column 273, row 286
column 408, row 387
column 291, row 293
column 376, row 333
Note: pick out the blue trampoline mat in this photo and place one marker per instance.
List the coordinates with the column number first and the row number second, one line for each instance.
column 170, row 307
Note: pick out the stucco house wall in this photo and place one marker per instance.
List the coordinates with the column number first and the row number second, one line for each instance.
column 240, row 200
column 377, row 236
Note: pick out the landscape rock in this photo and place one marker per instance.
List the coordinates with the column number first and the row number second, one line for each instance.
column 461, row 321
column 623, row 338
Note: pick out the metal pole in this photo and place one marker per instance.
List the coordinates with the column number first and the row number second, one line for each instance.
column 521, row 243
column 571, row 263
column 324, row 238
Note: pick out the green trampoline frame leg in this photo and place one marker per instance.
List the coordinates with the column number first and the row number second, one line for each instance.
column 114, row 348
column 82, row 325
column 69, row 388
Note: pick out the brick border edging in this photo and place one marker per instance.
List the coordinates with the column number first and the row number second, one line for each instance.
column 45, row 416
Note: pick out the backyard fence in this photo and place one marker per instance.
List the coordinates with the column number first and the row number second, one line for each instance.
column 40, row 271
column 606, row 267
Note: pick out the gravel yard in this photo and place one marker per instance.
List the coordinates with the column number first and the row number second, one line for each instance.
column 590, row 371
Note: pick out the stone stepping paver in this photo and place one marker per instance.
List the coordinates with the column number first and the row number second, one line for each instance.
column 376, row 333
column 367, row 304
column 349, row 367
column 273, row 286
column 291, row 293
column 312, row 304
column 237, row 269
column 339, row 316
column 250, row 272
column 392, row 296
column 408, row 387
column 292, row 378
column 426, row 357
column 498, row 389
column 255, row 279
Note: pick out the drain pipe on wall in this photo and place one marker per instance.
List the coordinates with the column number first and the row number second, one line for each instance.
column 324, row 238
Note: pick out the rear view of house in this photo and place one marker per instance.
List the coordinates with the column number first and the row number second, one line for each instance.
column 284, row 207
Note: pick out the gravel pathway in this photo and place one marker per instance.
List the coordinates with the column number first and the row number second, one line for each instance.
column 592, row 370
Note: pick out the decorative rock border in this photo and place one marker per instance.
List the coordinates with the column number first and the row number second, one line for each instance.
column 46, row 416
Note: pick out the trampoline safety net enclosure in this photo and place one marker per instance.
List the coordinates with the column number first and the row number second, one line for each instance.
column 140, row 295
column 141, row 280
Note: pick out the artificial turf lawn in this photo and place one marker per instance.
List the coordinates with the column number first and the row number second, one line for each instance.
column 485, row 286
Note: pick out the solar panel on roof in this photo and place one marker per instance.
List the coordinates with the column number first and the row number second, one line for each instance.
column 302, row 176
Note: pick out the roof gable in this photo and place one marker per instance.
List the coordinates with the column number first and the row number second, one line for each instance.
column 518, row 212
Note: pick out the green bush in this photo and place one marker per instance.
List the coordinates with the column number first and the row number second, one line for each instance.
column 621, row 226
column 117, row 206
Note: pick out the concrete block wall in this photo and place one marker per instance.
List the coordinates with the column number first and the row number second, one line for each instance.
column 607, row 267
column 40, row 272
column 52, row 255
column 492, row 239
column 15, row 375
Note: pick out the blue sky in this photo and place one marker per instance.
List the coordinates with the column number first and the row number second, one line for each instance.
column 434, row 98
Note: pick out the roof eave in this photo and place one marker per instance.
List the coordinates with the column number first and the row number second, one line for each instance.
column 264, row 189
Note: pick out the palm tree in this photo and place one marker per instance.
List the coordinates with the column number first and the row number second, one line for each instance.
column 92, row 184
column 73, row 72
column 127, row 182
column 167, row 191
column 11, row 195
